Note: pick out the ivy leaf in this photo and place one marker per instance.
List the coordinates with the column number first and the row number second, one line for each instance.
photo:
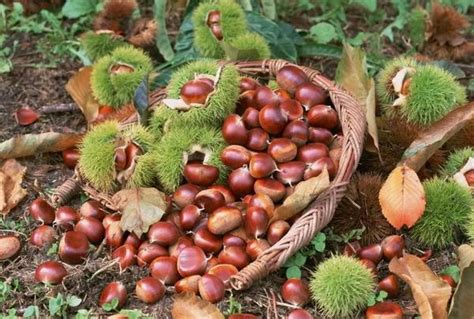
column 31, row 311
column 77, row 8
column 293, row 272
column 382, row 295
column 320, row 246
column 74, row 301
column 323, row 32
column 372, row 300
column 300, row 259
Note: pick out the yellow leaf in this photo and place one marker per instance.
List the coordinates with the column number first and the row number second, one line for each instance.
column 188, row 306
column 11, row 192
column 402, row 197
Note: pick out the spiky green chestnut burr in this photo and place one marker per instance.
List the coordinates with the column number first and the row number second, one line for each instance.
column 232, row 21
column 433, row 93
column 456, row 161
column 183, row 143
column 417, row 26
column 470, row 227
column 98, row 45
column 341, row 286
column 448, row 207
column 220, row 104
column 252, row 46
column 116, row 77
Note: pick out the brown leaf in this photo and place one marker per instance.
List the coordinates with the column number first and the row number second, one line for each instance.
column 32, row 144
column 79, row 88
column 188, row 306
column 305, row 192
column 140, row 207
column 26, row 116
column 430, row 140
column 402, row 197
column 352, row 75
column 431, row 294
column 11, row 192
column 461, row 304
column 465, row 256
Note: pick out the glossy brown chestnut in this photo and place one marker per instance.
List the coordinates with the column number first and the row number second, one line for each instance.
column 213, row 17
column 276, row 231
column 320, row 135
column 92, row 208
column 246, row 100
column 247, row 83
column 165, row 269
column 234, row 130
column 9, row 247
column 351, row 249
column 66, row 218
column 370, row 265
column 147, row 252
column 200, row 174
column 223, row 272
column 299, row 314
column 272, row 119
column 384, row 310
column 216, row 30
column 250, row 118
column 234, row 255
column 191, row 261
column 41, row 211
column 120, row 159
column 211, row 288
column 290, row 77
column 292, row 109
column 209, row 200
column 163, row 233
column 372, row 252
column 114, row 235
column 224, row 219
column 235, row 156
column 310, row 153
column 295, row 291
column 109, row 219
column 262, row 201
column 125, row 256
column 258, row 139
column 133, row 240
column 282, row 95
column 150, row 290
column 189, row 216
column 230, row 240
column 195, row 92
column 392, row 246
column 190, row 284
column 309, row 94
column 270, row 187
column 185, row 194
column 241, row 182
column 43, row 236
column 469, row 175
column 183, row 242
column 316, row 168
column 261, row 165
column 114, row 290
column 206, row 240
column 50, row 272
column 321, row 115
column 390, row 285
column 226, row 192
column 290, row 173
column 92, row 228
column 297, row 132
column 70, row 157
column 264, row 96
column 256, row 247
column 282, row 150
column 73, row 247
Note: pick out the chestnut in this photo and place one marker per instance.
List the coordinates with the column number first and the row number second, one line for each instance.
column 92, row 208
column 147, row 252
column 191, row 261
column 92, row 228
column 230, row 240
column 297, row 132
column 73, row 247
column 258, row 139
column 270, row 187
column 133, row 240
column 250, row 118
column 320, row 135
column 235, row 156
column 120, row 159
column 386, row 309
column 224, row 219
column 256, row 247
column 292, row 109
column 282, row 150
column 290, row 77
column 223, row 272
column 226, row 192
column 209, row 200
column 149, row 290
column 195, row 92
column 390, row 285
column 43, row 236
column 234, row 255
column 125, row 256
column 261, row 165
column 66, row 218
column 188, row 284
column 310, row 153
column 316, row 168
column 309, row 94
column 70, row 157
column 282, row 95
column 216, row 30
column 247, row 83
column 50, row 272
column 449, row 280
column 290, row 173
column 272, row 119
column 296, row 292
column 264, row 96
column 200, row 174
column 234, row 130
column 276, row 231
column 9, row 247
column 370, row 265
column 469, row 175
column 163, row 233
column 207, row 241
column 41, row 211
column 211, row 288
column 321, row 115
column 189, row 216
column 114, row 290
column 183, row 242
column 351, row 249
column 299, row 314
column 263, row 201
column 109, row 219
column 114, row 235
column 241, row 182
column 392, row 246
column 213, row 17
column 165, row 269
column 246, row 100
column 372, row 252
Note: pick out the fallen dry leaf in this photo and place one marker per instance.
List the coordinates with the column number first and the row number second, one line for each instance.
column 431, row 294
column 352, row 75
column 305, row 193
column 402, row 197
column 461, row 304
column 430, row 140
column 189, row 306
column 26, row 116
column 11, row 192
column 140, row 207
column 32, row 144
column 79, row 88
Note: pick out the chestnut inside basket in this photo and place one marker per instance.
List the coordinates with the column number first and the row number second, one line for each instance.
column 317, row 215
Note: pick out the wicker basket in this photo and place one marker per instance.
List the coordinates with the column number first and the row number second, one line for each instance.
column 317, row 215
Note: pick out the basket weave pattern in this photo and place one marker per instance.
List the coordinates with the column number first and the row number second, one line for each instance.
column 317, row 215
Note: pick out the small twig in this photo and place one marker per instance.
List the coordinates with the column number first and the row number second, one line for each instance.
column 59, row 108
column 284, row 304
column 109, row 265
column 274, row 304
column 99, row 249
